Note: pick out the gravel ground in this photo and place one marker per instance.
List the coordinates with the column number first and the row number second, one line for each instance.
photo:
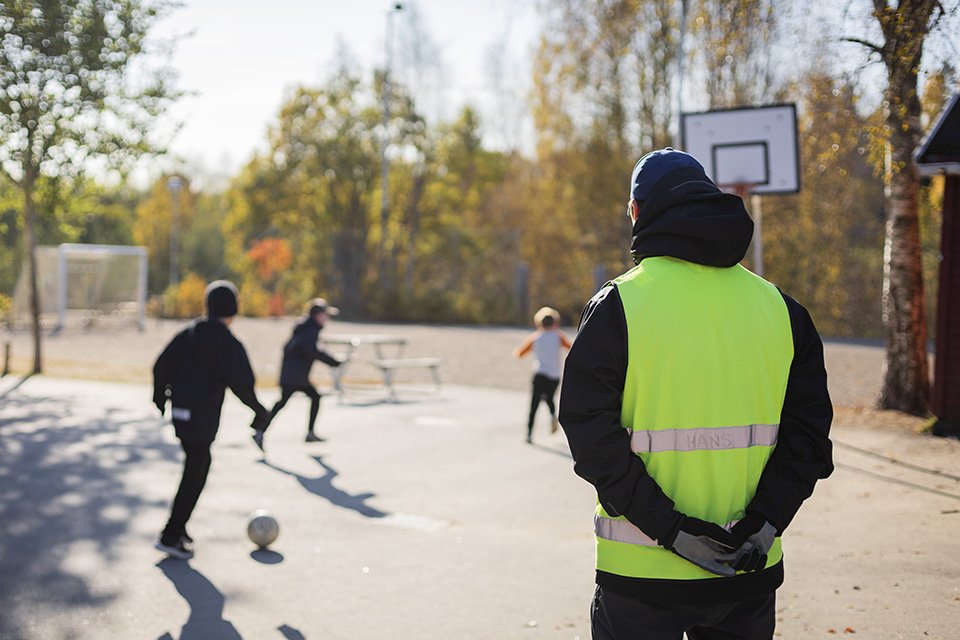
column 472, row 355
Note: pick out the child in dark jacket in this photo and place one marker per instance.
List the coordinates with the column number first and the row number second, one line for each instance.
column 194, row 371
column 298, row 356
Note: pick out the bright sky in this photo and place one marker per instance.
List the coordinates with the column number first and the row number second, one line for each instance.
column 244, row 57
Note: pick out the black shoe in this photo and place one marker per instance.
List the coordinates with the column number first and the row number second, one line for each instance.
column 186, row 537
column 176, row 549
column 258, row 439
column 312, row 437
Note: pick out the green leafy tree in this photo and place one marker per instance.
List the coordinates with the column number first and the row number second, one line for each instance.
column 202, row 244
column 66, row 95
column 11, row 242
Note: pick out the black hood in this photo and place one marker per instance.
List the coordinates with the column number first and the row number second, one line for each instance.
column 686, row 216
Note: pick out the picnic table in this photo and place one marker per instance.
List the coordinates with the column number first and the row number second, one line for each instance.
column 388, row 350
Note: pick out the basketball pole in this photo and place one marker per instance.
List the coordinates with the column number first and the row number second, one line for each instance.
column 745, row 190
column 757, row 233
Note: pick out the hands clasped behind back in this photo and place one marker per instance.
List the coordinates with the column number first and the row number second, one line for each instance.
column 756, row 537
column 706, row 545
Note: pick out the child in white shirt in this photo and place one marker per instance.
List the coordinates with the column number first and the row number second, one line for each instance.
column 545, row 343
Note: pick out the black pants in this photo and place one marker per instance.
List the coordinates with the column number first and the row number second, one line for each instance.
column 287, row 390
column 617, row 617
column 544, row 388
column 196, row 466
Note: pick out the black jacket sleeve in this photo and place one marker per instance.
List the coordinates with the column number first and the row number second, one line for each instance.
column 590, row 399
column 326, row 358
column 239, row 377
column 304, row 345
column 803, row 453
column 165, row 368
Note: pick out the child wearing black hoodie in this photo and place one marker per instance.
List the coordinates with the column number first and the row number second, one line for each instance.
column 193, row 372
column 298, row 356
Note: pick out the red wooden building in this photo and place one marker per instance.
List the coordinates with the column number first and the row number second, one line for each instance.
column 940, row 154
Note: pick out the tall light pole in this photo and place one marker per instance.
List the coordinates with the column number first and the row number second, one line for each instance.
column 385, row 142
column 683, row 31
column 174, row 184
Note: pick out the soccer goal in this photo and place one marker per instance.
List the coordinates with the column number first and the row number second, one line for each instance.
column 85, row 284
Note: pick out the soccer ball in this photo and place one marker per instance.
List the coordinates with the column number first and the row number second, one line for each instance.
column 262, row 528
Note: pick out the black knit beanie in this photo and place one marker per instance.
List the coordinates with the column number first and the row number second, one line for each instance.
column 221, row 299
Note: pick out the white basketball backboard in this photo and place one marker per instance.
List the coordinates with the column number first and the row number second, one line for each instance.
column 751, row 145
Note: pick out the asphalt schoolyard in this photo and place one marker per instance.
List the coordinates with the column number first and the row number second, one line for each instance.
column 423, row 518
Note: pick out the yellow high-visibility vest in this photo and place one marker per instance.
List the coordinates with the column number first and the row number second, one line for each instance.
column 709, row 353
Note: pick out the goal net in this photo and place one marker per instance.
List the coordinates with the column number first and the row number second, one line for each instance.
column 83, row 284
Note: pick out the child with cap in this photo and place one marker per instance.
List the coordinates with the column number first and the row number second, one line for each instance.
column 193, row 372
column 545, row 343
column 298, row 356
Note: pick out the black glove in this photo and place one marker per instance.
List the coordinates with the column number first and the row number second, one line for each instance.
column 706, row 545
column 755, row 536
column 160, row 401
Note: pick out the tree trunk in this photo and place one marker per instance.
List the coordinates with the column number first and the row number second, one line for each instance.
column 413, row 226
column 906, row 385
column 906, row 381
column 30, row 249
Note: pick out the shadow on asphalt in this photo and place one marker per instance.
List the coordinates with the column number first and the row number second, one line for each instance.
column 559, row 452
column 290, row 633
column 62, row 484
column 14, row 386
column 323, row 486
column 206, row 604
column 266, row 556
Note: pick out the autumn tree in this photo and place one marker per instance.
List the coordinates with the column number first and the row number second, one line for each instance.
column 830, row 234
column 314, row 188
column 66, row 95
column 604, row 80
column 904, row 28
column 465, row 258
column 734, row 44
column 154, row 226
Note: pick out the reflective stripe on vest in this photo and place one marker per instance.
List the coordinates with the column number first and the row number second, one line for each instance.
column 705, row 438
column 620, row 530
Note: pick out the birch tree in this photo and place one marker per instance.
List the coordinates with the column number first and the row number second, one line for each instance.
column 904, row 27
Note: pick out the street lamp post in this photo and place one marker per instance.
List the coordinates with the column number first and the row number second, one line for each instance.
column 385, row 142
column 683, row 31
column 174, row 184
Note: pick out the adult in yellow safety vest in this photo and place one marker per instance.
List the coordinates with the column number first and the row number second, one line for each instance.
column 695, row 401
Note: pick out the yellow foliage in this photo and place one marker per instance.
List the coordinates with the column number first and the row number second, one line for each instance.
column 186, row 299
column 255, row 301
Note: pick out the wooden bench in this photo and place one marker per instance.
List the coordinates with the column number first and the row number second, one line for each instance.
column 388, row 365
column 382, row 344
